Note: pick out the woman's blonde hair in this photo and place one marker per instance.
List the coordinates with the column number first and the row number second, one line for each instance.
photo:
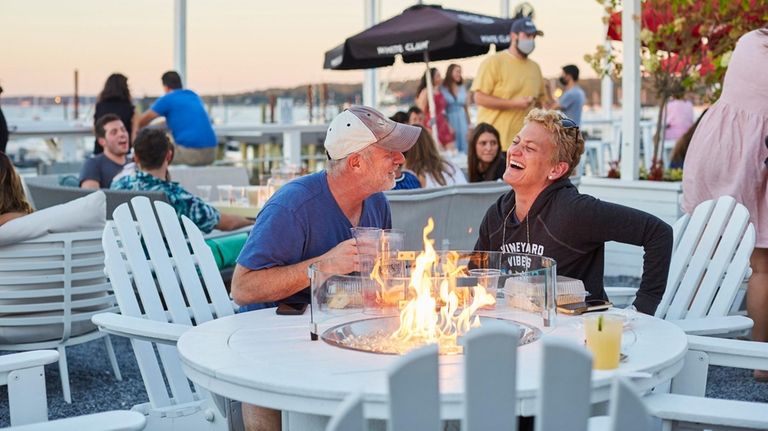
column 569, row 143
column 12, row 199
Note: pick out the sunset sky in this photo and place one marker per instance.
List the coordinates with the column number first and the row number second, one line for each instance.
column 233, row 45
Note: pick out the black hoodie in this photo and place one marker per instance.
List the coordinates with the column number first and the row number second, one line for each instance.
column 572, row 229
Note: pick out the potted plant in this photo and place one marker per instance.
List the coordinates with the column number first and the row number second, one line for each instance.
column 685, row 49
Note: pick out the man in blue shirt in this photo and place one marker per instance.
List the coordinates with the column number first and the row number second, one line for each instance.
column 571, row 102
column 189, row 123
column 309, row 219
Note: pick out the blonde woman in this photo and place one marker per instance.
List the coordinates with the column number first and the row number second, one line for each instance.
column 545, row 214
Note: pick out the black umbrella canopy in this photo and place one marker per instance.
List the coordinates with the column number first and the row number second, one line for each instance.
column 443, row 33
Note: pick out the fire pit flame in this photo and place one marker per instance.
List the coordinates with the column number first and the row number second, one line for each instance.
column 430, row 318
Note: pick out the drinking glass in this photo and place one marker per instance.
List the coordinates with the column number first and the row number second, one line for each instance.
column 488, row 278
column 603, row 334
column 225, row 193
column 392, row 240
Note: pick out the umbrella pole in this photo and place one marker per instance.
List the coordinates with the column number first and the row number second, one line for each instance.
column 431, row 102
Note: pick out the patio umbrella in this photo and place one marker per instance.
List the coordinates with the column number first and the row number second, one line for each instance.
column 421, row 33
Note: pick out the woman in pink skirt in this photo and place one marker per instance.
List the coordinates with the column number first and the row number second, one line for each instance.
column 728, row 155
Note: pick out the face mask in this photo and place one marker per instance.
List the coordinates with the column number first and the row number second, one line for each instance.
column 526, row 46
column 563, row 82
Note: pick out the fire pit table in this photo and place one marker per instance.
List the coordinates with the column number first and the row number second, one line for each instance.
column 269, row 360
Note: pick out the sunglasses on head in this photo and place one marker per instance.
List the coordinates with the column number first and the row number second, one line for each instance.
column 568, row 124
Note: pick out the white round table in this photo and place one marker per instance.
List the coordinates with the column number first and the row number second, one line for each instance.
column 268, row 360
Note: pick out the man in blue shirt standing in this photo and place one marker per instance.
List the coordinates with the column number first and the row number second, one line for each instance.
column 571, row 102
column 189, row 123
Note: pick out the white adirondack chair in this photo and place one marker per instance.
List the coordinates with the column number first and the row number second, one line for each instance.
column 28, row 406
column 631, row 412
column 710, row 259
column 50, row 287
column 686, row 408
column 162, row 292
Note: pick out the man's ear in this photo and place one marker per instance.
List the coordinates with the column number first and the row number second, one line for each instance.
column 102, row 141
column 353, row 160
column 169, row 155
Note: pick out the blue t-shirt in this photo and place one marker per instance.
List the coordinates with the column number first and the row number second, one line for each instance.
column 407, row 181
column 572, row 103
column 185, row 115
column 302, row 221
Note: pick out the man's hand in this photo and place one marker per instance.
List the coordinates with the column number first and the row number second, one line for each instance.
column 345, row 257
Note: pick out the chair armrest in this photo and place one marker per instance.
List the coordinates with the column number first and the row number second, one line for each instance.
column 105, row 421
column 728, row 414
column 714, row 325
column 34, row 358
column 732, row 353
column 139, row 328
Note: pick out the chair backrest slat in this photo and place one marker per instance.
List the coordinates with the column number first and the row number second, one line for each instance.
column 734, row 275
column 627, row 411
column 564, row 406
column 214, row 285
column 414, row 396
column 349, row 416
column 490, row 383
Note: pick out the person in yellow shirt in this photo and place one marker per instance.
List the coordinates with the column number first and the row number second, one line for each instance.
column 509, row 84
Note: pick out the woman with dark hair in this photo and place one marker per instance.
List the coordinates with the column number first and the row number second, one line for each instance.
column 115, row 98
column 485, row 160
column 445, row 133
column 457, row 105
column 727, row 156
column 13, row 203
column 430, row 167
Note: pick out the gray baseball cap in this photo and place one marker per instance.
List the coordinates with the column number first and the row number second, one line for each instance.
column 360, row 126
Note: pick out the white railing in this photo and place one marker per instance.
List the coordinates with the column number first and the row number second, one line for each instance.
column 69, row 134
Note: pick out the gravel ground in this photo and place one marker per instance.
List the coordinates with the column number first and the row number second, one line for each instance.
column 94, row 388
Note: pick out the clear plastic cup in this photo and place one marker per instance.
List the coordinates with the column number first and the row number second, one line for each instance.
column 392, row 240
column 225, row 194
column 488, row 278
